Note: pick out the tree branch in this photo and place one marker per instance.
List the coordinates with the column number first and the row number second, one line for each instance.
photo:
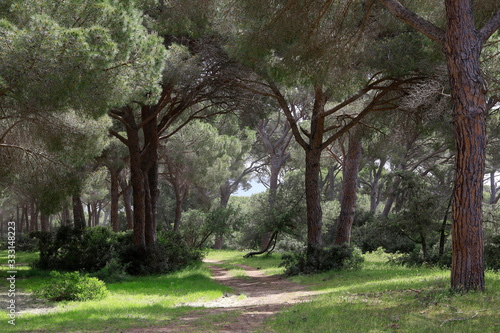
column 417, row 22
column 490, row 27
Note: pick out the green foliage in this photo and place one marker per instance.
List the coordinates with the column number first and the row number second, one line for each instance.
column 404, row 53
column 71, row 287
column 102, row 251
column 336, row 257
column 114, row 271
column 492, row 253
column 171, row 253
column 370, row 232
column 24, row 243
column 84, row 55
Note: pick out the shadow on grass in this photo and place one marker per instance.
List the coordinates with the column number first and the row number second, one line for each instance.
column 172, row 285
column 100, row 319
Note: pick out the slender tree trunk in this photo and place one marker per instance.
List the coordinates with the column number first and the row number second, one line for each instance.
column 493, row 189
column 105, row 219
column 115, row 196
column 18, row 219
column 78, row 214
column 375, row 187
column 349, row 185
column 33, row 213
column 24, row 216
column 225, row 194
column 127, row 203
column 424, row 245
column 462, row 49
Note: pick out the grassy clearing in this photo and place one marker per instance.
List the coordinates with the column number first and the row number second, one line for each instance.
column 268, row 264
column 138, row 302
column 379, row 298
column 389, row 298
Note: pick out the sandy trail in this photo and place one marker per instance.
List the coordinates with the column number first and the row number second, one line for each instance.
column 263, row 297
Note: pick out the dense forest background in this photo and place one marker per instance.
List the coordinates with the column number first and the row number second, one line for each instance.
column 368, row 125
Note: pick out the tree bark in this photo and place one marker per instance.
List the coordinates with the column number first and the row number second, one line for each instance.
column 115, row 195
column 462, row 49
column 127, row 203
column 313, row 199
column 462, row 44
column 150, row 172
column 78, row 214
column 349, row 185
column 44, row 221
column 34, row 217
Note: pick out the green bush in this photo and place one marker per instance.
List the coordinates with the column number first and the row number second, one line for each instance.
column 24, row 243
column 114, row 271
column 492, row 253
column 336, row 257
column 171, row 253
column 99, row 250
column 71, row 287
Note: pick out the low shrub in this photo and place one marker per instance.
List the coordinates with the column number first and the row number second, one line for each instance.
column 114, row 271
column 336, row 257
column 416, row 258
column 71, row 287
column 24, row 243
column 112, row 255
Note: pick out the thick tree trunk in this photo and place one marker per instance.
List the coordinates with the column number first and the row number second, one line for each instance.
column 137, row 180
column 44, row 221
column 313, row 199
column 78, row 214
column 150, row 172
column 462, row 49
column 218, row 242
column 349, row 189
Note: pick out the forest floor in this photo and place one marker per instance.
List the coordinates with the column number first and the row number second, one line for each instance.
column 255, row 298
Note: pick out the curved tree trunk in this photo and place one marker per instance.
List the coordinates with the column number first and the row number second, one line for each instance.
column 349, row 185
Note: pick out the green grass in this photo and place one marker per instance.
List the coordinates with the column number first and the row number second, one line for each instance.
column 138, row 302
column 379, row 298
column 388, row 298
column 268, row 264
column 21, row 257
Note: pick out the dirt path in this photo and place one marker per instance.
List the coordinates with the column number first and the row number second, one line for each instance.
column 255, row 299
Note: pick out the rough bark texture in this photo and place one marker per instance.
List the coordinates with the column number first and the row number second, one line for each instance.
column 462, row 44
column 462, row 49
column 349, row 186
column 150, row 172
